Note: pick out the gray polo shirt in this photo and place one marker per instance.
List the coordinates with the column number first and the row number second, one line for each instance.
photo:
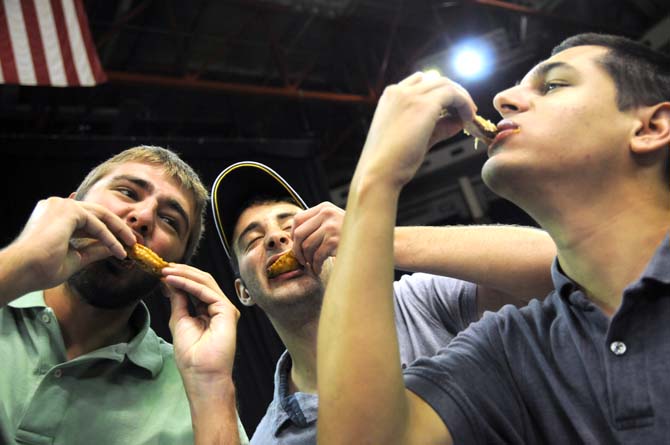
column 560, row 371
column 429, row 311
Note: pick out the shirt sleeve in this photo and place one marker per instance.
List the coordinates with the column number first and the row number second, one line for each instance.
column 451, row 303
column 470, row 386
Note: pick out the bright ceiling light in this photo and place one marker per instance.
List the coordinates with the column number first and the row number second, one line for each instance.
column 471, row 61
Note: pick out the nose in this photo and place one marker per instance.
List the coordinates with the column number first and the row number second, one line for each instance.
column 510, row 101
column 277, row 239
column 142, row 218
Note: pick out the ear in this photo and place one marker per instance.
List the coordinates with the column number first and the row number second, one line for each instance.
column 243, row 293
column 653, row 131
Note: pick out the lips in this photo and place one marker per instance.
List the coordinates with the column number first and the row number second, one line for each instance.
column 506, row 128
column 282, row 263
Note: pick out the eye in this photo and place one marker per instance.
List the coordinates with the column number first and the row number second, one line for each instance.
column 126, row 191
column 172, row 222
column 253, row 241
column 551, row 86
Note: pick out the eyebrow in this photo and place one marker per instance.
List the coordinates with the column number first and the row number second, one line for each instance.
column 149, row 187
column 541, row 71
column 254, row 225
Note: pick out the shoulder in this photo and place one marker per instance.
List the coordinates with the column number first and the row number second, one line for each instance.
column 428, row 284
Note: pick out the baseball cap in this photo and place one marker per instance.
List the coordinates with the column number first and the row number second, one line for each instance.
column 236, row 185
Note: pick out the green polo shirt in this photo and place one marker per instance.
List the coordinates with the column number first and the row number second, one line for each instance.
column 126, row 394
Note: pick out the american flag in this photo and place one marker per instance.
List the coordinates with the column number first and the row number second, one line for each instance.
column 47, row 42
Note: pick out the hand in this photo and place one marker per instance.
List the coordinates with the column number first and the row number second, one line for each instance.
column 408, row 121
column 205, row 343
column 316, row 234
column 64, row 235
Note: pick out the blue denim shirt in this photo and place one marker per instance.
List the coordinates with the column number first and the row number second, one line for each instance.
column 290, row 418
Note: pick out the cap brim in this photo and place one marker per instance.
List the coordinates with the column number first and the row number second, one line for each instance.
column 237, row 185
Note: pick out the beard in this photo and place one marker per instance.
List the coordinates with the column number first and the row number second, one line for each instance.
column 106, row 285
column 289, row 306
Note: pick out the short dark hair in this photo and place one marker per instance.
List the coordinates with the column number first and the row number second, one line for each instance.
column 256, row 200
column 641, row 75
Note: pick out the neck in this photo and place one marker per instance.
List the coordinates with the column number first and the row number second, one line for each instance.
column 86, row 328
column 606, row 247
column 301, row 345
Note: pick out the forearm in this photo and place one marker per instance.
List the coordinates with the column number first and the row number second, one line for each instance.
column 511, row 259
column 213, row 413
column 362, row 398
column 14, row 279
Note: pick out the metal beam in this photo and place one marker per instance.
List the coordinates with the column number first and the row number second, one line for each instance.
column 119, row 77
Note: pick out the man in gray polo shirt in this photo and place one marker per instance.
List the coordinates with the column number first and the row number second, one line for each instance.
column 259, row 216
column 583, row 147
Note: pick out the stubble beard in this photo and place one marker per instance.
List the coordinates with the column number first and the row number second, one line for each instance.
column 105, row 286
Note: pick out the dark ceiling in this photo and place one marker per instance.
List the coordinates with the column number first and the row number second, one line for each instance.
column 293, row 69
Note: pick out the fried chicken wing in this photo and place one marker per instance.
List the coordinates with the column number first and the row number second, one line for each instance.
column 146, row 259
column 285, row 263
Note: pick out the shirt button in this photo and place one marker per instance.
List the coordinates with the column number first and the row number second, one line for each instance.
column 618, row 347
column 46, row 318
column 58, row 373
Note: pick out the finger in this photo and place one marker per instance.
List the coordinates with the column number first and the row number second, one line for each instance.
column 92, row 224
column 457, row 100
column 92, row 253
column 305, row 215
column 200, row 291
column 429, row 83
column 178, row 306
column 193, row 274
column 303, row 225
column 303, row 248
column 412, row 79
column 114, row 224
column 320, row 257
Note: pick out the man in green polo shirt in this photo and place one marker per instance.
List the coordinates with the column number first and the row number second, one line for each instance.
column 81, row 364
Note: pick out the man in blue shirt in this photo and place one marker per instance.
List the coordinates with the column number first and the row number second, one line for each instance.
column 583, row 148
column 259, row 217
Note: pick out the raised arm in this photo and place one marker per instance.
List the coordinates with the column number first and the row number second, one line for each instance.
column 510, row 264
column 61, row 236
column 364, row 399
column 205, row 350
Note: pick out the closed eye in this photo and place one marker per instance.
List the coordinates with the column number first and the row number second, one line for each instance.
column 252, row 241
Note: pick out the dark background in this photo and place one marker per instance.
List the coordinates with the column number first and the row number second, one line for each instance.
column 291, row 83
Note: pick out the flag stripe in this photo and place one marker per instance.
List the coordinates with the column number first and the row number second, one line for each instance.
column 93, row 60
column 35, row 42
column 19, row 41
column 9, row 72
column 64, row 41
column 47, row 42
column 50, row 44
column 76, row 43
